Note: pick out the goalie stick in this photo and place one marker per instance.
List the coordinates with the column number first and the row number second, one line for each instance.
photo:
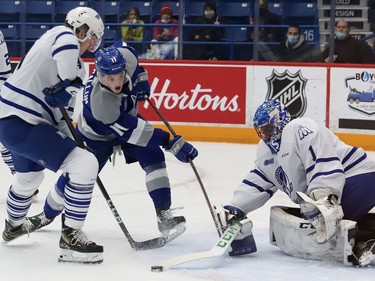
column 141, row 245
column 217, row 250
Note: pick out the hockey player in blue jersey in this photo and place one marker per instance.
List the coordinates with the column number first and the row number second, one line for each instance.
column 33, row 130
column 334, row 184
column 110, row 120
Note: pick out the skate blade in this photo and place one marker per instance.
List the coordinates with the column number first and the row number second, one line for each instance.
column 77, row 257
column 174, row 232
column 367, row 258
column 5, row 242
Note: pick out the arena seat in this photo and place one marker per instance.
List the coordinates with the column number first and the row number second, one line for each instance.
column 235, row 12
column 40, row 11
column 300, row 13
column 64, row 6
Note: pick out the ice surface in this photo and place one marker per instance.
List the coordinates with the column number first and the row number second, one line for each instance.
column 222, row 167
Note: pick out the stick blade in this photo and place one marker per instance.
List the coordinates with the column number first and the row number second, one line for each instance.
column 154, row 243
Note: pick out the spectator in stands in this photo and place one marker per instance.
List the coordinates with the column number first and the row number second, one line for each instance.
column 133, row 29
column 165, row 35
column 347, row 48
column 267, row 34
column 295, row 48
column 132, row 33
column 205, row 34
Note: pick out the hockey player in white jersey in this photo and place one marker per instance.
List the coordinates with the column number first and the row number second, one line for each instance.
column 110, row 120
column 333, row 182
column 5, row 67
column 5, row 72
column 32, row 128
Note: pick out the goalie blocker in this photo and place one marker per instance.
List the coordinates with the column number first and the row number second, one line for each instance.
column 294, row 235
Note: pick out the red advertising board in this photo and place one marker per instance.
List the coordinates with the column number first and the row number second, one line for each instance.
column 197, row 93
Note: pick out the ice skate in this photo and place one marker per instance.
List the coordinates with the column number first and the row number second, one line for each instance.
column 10, row 233
column 75, row 247
column 171, row 227
column 35, row 196
column 365, row 252
column 43, row 220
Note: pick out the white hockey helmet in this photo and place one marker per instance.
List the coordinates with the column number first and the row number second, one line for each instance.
column 80, row 16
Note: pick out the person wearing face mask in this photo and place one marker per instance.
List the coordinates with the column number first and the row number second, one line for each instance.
column 296, row 49
column 347, row 48
column 205, row 33
column 165, row 35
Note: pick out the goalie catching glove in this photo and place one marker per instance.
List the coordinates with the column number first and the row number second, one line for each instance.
column 244, row 242
column 61, row 93
column 323, row 211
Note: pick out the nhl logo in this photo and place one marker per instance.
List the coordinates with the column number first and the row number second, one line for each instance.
column 289, row 89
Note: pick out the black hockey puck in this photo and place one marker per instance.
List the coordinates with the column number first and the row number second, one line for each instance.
column 157, row 268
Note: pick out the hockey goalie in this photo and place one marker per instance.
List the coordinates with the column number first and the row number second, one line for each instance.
column 332, row 182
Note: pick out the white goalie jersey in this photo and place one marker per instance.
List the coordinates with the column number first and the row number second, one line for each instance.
column 310, row 157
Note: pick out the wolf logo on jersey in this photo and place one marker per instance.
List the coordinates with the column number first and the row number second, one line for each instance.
column 283, row 180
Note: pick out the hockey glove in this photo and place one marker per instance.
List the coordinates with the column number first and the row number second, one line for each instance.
column 61, row 93
column 141, row 86
column 228, row 215
column 244, row 242
column 324, row 213
column 181, row 149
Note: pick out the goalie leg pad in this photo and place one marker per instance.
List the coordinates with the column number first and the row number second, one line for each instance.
column 294, row 235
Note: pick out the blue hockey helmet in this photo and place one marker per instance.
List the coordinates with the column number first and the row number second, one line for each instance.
column 269, row 120
column 109, row 61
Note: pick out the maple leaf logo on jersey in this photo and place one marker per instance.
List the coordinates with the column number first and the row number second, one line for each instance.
column 289, row 89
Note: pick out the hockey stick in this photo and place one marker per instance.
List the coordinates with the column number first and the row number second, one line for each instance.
column 143, row 245
column 213, row 214
column 218, row 249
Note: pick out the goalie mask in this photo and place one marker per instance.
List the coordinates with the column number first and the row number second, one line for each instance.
column 110, row 67
column 84, row 16
column 269, row 120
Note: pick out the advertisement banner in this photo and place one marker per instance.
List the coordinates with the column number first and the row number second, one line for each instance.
column 352, row 96
column 301, row 89
column 204, row 94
